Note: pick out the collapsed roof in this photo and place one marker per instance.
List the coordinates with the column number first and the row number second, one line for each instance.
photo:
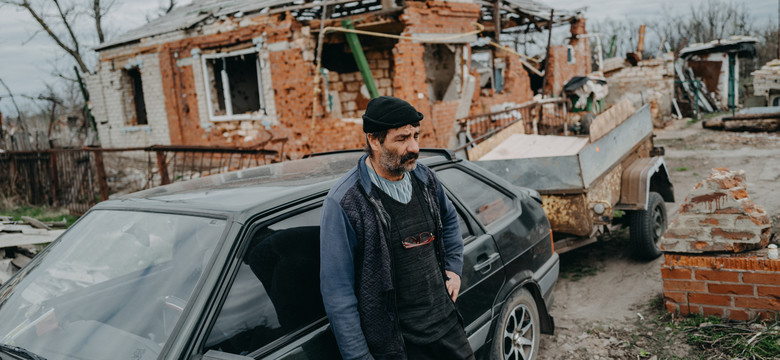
column 514, row 13
column 741, row 45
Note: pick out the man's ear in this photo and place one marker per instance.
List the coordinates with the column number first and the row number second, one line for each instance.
column 373, row 143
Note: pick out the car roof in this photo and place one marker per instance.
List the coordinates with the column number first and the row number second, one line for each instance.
column 250, row 191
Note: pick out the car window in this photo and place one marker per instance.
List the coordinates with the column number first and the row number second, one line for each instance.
column 276, row 290
column 113, row 286
column 464, row 227
column 486, row 202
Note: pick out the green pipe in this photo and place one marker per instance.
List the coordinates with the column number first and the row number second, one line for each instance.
column 611, row 46
column 360, row 58
column 732, row 81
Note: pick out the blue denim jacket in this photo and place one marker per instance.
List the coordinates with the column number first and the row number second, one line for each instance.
column 355, row 273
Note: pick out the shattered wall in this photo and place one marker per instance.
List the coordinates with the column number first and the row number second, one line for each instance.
column 188, row 101
column 651, row 81
column 568, row 61
column 713, row 70
column 113, row 107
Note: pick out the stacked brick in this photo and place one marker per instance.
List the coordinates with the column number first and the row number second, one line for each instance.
column 718, row 215
column 737, row 286
column 718, row 219
column 766, row 78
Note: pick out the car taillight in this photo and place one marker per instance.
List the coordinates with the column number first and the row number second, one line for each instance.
column 552, row 244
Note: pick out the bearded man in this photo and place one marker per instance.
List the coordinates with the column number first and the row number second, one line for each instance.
column 391, row 251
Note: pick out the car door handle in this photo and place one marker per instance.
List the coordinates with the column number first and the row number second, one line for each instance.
column 485, row 265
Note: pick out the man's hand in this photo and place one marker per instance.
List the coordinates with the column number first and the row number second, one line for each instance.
column 453, row 284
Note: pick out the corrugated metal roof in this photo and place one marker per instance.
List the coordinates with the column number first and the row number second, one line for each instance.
column 187, row 16
column 737, row 44
column 541, row 11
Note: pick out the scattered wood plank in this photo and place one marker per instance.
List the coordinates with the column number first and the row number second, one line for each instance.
column 35, row 223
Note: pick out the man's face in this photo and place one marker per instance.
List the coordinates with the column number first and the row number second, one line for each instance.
column 398, row 154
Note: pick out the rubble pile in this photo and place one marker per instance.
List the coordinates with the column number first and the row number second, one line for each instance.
column 19, row 240
column 767, row 78
column 718, row 215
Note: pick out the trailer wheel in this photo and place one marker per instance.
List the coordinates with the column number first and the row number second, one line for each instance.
column 647, row 227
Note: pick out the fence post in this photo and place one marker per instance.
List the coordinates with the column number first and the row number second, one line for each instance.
column 163, row 168
column 101, row 175
column 55, row 181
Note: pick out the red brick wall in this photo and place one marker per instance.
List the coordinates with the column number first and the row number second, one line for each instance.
column 517, row 87
column 737, row 287
column 560, row 70
column 292, row 82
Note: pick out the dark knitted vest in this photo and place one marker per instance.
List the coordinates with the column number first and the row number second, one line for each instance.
column 425, row 311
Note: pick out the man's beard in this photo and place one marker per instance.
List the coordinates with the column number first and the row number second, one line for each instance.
column 397, row 165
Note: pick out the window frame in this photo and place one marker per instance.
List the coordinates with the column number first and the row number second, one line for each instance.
column 514, row 210
column 229, row 116
column 253, row 225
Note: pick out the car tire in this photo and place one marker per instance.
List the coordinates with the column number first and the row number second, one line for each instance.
column 517, row 333
column 647, row 227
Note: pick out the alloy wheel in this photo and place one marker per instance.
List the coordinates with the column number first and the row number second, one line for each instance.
column 518, row 339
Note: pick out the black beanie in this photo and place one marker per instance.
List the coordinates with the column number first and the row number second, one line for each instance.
column 387, row 112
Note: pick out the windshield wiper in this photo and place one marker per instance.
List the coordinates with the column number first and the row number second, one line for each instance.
column 20, row 352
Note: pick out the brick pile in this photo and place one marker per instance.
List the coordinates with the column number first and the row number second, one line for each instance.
column 702, row 271
column 737, row 286
column 718, row 215
column 766, row 78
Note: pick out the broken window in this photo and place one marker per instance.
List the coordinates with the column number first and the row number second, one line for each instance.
column 490, row 69
column 440, row 71
column 133, row 97
column 234, row 85
column 570, row 55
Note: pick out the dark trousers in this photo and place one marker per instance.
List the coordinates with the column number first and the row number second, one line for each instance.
column 453, row 345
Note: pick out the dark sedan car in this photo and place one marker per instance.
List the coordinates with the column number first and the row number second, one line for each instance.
column 226, row 267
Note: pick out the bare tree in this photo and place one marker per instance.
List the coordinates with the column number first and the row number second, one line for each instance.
column 10, row 94
column 703, row 22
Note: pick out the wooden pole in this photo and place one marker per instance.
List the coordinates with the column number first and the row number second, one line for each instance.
column 640, row 46
column 547, row 61
column 101, row 175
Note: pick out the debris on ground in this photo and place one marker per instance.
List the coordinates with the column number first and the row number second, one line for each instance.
column 19, row 241
column 757, row 119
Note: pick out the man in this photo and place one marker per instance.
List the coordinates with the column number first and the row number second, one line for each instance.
column 391, row 251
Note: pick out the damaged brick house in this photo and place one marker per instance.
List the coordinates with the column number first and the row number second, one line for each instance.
column 240, row 73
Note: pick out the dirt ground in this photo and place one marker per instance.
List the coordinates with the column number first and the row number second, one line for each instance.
column 610, row 306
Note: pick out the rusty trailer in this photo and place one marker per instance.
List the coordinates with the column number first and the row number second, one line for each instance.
column 591, row 184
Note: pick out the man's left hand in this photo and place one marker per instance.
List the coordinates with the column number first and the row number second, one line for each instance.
column 453, row 284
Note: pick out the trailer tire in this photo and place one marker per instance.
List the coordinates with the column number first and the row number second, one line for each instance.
column 647, row 227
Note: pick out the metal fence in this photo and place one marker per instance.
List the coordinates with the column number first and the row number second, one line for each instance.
column 547, row 117
column 79, row 178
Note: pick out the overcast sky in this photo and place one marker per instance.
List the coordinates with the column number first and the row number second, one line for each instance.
column 26, row 61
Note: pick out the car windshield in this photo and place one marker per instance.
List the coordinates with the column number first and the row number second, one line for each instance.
column 113, row 286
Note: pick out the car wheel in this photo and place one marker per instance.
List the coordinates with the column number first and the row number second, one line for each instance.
column 647, row 227
column 517, row 335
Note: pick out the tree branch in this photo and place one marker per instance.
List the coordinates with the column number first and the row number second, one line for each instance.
column 25, row 4
column 67, row 26
column 171, row 4
column 18, row 112
column 98, row 15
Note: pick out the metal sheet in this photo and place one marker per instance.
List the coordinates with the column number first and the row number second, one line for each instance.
column 568, row 214
column 600, row 156
column 547, row 173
